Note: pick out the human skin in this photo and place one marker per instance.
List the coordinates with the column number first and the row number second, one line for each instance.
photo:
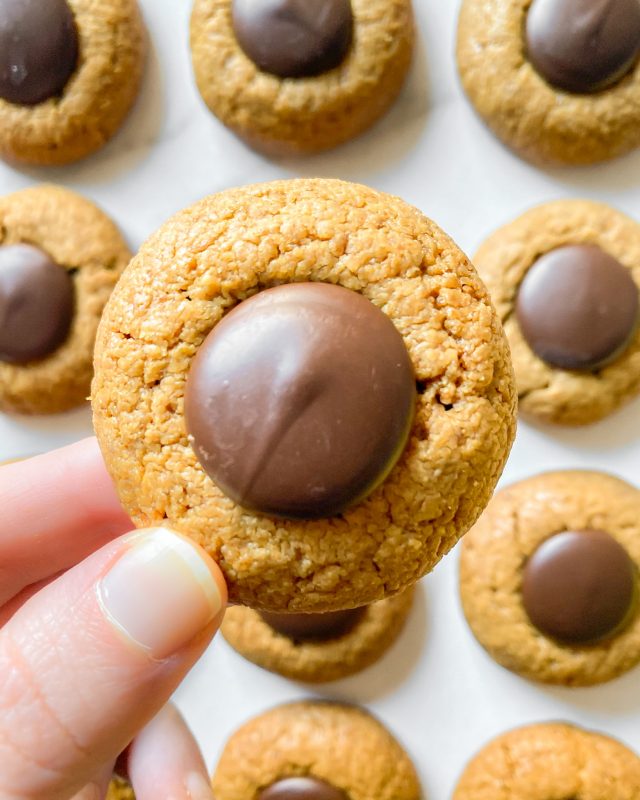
column 88, row 658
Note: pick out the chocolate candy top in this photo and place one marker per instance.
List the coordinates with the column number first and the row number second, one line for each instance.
column 294, row 38
column 38, row 49
column 577, row 307
column 36, row 304
column 301, row 789
column 579, row 587
column 300, row 401
column 583, row 46
column 314, row 627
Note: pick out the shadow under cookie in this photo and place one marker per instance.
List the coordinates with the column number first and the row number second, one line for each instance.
column 318, row 648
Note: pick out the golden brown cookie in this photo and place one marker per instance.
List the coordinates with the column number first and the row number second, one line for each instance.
column 58, row 252
column 549, row 578
column 120, row 790
column 338, row 745
column 318, row 648
column 215, row 255
column 327, row 71
column 551, row 760
column 574, row 309
column 553, row 83
column 71, row 79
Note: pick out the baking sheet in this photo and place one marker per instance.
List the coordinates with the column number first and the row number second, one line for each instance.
column 436, row 689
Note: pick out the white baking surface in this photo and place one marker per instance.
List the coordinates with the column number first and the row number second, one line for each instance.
column 436, row 690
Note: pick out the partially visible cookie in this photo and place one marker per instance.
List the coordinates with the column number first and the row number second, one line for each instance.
column 120, row 790
column 551, row 760
column 300, row 76
column 549, row 578
column 556, row 80
column 70, row 70
column 565, row 279
column 317, row 647
column 60, row 257
column 323, row 751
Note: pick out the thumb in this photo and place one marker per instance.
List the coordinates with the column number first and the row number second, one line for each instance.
column 90, row 659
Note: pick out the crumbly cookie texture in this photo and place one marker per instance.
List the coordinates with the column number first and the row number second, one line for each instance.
column 541, row 123
column 97, row 97
column 228, row 247
column 81, row 238
column 517, row 520
column 551, row 760
column 120, row 790
column 318, row 661
column 342, row 745
column 550, row 394
column 303, row 115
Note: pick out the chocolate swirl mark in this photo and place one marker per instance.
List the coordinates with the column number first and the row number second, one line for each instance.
column 300, row 401
column 583, row 46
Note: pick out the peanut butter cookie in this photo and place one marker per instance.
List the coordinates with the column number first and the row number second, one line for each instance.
column 556, row 80
column 551, row 760
column 549, row 578
column 120, row 790
column 317, row 647
column 314, row 751
column 70, row 70
column 299, row 76
column 60, row 257
column 564, row 278
column 308, row 378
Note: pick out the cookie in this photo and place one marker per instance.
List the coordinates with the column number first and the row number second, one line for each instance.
column 120, row 790
column 60, row 257
column 317, row 647
column 549, row 578
column 564, row 278
column 314, row 751
column 300, row 76
column 556, row 80
column 70, row 70
column 310, row 432
column 551, row 760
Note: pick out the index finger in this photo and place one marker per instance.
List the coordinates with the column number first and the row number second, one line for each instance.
column 55, row 509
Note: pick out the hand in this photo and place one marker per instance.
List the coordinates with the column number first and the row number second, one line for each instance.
column 97, row 629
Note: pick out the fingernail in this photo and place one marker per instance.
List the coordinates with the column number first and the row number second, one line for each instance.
column 198, row 788
column 160, row 593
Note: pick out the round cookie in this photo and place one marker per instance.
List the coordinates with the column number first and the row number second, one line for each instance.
column 587, row 308
column 329, row 68
column 340, row 751
column 46, row 357
column 309, row 649
column 70, row 70
column 225, row 249
column 120, row 790
column 549, row 578
column 548, row 760
column 556, row 80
